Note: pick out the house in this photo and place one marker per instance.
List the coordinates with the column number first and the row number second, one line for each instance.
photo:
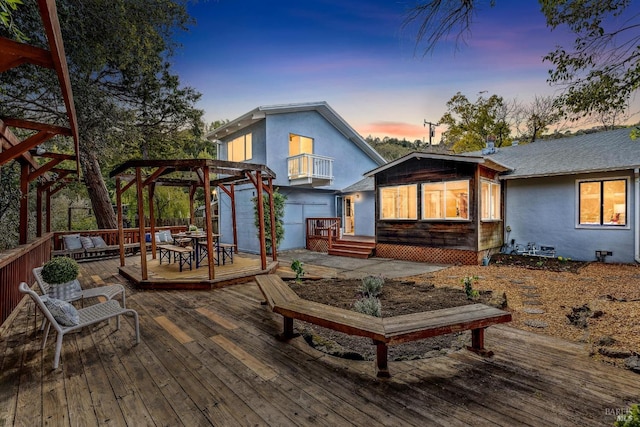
column 438, row 208
column 314, row 154
column 579, row 195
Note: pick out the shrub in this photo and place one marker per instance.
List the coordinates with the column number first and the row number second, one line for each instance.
column 372, row 286
column 468, row 287
column 631, row 417
column 60, row 270
column 296, row 266
column 368, row 305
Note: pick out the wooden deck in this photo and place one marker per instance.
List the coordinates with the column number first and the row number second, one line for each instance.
column 210, row 358
column 168, row 275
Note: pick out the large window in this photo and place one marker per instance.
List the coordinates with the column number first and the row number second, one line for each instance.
column 489, row 201
column 300, row 145
column 603, row 202
column 239, row 149
column 400, row 202
column 445, row 200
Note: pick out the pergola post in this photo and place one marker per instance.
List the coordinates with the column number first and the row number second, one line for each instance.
column 39, row 211
column 120, row 219
column 143, row 245
column 207, row 215
column 261, row 231
column 232, row 195
column 274, row 250
column 24, row 203
column 152, row 219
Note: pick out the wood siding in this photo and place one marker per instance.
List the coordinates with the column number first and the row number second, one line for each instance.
column 460, row 235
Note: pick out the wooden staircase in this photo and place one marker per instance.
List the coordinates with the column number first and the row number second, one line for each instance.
column 352, row 248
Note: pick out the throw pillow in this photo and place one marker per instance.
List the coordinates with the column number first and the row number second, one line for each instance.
column 86, row 241
column 167, row 236
column 64, row 313
column 98, row 242
column 72, row 242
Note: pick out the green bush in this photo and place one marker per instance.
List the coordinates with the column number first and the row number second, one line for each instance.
column 296, row 266
column 631, row 418
column 60, row 270
column 278, row 207
column 372, row 286
column 468, row 283
column 368, row 305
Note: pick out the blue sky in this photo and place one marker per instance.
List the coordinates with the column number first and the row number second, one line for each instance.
column 357, row 57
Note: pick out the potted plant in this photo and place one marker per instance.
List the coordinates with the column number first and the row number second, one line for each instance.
column 61, row 274
column 192, row 229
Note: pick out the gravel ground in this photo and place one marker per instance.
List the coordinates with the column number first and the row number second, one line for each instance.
column 603, row 299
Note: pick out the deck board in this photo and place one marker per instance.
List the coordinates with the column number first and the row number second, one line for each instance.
column 104, row 379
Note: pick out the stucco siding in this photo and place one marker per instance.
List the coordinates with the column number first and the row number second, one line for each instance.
column 299, row 205
column 364, row 209
column 349, row 161
column 544, row 210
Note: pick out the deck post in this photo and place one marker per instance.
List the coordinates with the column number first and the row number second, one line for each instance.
column 381, row 360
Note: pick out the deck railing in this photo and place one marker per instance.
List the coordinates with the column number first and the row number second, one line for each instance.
column 110, row 236
column 15, row 267
column 310, row 166
column 323, row 229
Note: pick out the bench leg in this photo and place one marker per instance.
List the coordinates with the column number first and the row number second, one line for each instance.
column 381, row 360
column 477, row 343
column 287, row 332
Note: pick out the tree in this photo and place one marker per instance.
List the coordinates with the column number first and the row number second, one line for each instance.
column 7, row 8
column 601, row 71
column 539, row 115
column 471, row 124
column 278, row 209
column 128, row 103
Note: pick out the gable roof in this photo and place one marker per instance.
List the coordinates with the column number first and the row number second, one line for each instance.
column 260, row 113
column 588, row 153
column 366, row 184
column 487, row 162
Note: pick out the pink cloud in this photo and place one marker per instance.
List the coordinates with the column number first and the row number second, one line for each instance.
column 393, row 130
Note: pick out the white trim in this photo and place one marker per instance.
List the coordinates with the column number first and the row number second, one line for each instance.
column 602, row 226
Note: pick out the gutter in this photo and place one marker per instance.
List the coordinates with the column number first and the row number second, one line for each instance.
column 636, row 234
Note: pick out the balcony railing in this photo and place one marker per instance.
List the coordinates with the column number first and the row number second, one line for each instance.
column 310, row 169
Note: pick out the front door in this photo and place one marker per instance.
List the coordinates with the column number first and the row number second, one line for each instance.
column 349, row 218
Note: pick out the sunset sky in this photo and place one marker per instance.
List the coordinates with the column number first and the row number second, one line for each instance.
column 356, row 56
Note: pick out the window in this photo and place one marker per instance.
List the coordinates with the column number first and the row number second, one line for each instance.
column 300, row 145
column 489, row 200
column 400, row 202
column 603, row 202
column 239, row 149
column 445, row 200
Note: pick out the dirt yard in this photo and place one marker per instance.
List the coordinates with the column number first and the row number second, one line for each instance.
column 592, row 303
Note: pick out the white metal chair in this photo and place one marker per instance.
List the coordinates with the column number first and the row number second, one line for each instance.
column 107, row 291
column 87, row 316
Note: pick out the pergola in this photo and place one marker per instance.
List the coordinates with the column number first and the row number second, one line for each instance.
column 192, row 174
column 51, row 176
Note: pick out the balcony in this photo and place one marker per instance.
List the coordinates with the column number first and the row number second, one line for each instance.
column 310, row 170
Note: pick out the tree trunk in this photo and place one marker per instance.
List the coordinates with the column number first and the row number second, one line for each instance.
column 98, row 193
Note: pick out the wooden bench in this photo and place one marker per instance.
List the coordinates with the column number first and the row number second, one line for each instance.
column 182, row 254
column 383, row 331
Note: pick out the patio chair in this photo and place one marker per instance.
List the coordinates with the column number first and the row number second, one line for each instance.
column 107, row 291
column 83, row 317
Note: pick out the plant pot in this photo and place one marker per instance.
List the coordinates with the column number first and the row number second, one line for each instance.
column 69, row 291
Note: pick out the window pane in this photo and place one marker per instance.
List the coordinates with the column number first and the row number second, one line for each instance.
column 457, row 199
column 590, row 203
column 399, row 202
column 614, row 202
column 495, row 201
column 485, row 200
column 248, row 147
column 433, row 200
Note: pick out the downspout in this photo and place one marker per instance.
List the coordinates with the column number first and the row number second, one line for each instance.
column 636, row 208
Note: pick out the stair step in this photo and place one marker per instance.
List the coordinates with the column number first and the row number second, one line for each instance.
column 351, row 246
column 350, row 253
column 355, row 243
